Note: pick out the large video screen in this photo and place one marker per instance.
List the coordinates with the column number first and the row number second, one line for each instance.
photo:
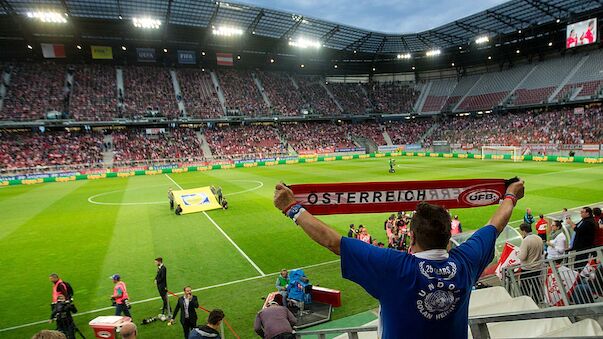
column 581, row 33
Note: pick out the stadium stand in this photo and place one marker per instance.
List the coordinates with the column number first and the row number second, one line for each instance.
column 316, row 137
column 49, row 149
column 350, row 96
column 407, row 132
column 200, row 96
column 493, row 87
column 438, row 94
column 391, row 97
column 284, row 97
column 314, row 95
column 587, row 80
column 539, row 85
column 255, row 141
column 241, row 93
column 460, row 90
column 135, row 144
column 34, row 90
column 149, row 89
column 94, row 95
column 369, row 130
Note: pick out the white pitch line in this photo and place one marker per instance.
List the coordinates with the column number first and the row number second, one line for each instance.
column 158, row 298
column 257, row 268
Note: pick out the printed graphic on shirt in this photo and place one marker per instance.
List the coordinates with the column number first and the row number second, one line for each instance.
column 440, row 297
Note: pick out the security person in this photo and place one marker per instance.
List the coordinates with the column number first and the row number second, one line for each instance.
column 171, row 197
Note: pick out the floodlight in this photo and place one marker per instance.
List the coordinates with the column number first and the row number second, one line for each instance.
column 146, row 22
column 482, row 39
column 413, row 68
column 489, row 58
column 29, row 47
column 302, row 65
column 374, row 69
column 78, row 47
column 47, row 16
column 123, row 48
column 433, row 52
column 452, row 64
column 165, row 50
column 334, row 66
column 271, row 61
column 404, row 56
column 517, row 51
column 305, row 43
column 227, row 31
column 203, row 53
column 550, row 44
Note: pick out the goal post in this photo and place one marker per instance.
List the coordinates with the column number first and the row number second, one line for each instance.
column 499, row 152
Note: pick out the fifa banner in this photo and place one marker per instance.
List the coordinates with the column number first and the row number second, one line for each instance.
column 187, row 57
column 145, row 54
column 380, row 197
column 196, row 200
column 101, row 52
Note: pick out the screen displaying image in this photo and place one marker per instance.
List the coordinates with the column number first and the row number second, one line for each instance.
column 581, row 33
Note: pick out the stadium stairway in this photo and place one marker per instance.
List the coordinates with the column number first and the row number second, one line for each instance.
column 204, row 146
column 216, row 82
column 418, row 107
column 4, row 80
column 387, row 138
column 429, row 132
column 322, row 83
column 495, row 300
column 108, row 154
column 176, row 86
column 567, row 78
column 260, row 87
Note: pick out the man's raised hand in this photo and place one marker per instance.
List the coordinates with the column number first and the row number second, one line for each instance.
column 283, row 196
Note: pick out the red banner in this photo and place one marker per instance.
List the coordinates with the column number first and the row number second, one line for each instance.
column 379, row 197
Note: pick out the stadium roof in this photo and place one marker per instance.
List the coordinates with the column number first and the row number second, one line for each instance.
column 503, row 19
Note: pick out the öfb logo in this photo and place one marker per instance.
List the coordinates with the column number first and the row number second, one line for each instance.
column 481, row 197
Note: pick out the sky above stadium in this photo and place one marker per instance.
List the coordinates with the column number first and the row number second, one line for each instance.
column 389, row 16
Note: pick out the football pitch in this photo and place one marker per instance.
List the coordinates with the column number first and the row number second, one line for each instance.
column 88, row 230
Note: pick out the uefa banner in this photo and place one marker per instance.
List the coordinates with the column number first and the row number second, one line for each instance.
column 196, row 200
column 101, row 52
column 187, row 57
column 380, row 197
column 145, row 54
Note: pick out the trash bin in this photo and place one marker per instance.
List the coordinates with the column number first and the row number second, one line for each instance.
column 106, row 327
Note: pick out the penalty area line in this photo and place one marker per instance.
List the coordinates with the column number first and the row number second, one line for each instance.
column 257, row 268
column 179, row 293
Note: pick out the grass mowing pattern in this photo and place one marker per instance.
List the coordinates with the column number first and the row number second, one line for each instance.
column 53, row 228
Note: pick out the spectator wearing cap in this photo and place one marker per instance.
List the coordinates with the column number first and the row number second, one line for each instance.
column 275, row 321
column 120, row 296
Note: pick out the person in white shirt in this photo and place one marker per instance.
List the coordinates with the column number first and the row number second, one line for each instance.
column 558, row 244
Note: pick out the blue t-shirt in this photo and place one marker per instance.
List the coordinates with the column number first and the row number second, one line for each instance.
column 420, row 298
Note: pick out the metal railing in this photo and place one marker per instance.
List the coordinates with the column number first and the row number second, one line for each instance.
column 352, row 332
column 479, row 324
column 574, row 278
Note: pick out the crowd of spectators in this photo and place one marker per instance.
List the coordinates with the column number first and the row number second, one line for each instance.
column 315, row 96
column 243, row 141
column 200, row 95
column 555, row 127
column 369, row 130
column 241, row 93
column 34, row 90
column 94, row 93
column 149, row 89
column 284, row 98
column 136, row 145
column 51, row 148
column 317, row 137
column 392, row 97
column 351, row 97
column 407, row 132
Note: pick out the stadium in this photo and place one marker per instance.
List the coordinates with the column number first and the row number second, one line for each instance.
column 140, row 136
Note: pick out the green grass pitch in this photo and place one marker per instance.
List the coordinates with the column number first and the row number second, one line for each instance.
column 54, row 228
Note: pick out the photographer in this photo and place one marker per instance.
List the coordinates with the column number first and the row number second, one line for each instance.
column 61, row 313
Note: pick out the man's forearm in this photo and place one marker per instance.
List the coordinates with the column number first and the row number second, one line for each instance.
column 319, row 232
column 501, row 217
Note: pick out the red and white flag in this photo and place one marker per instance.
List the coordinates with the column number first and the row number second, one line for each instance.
column 569, row 279
column 224, row 59
column 50, row 51
column 508, row 257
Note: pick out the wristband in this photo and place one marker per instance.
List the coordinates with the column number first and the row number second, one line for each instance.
column 295, row 211
column 512, row 197
column 286, row 209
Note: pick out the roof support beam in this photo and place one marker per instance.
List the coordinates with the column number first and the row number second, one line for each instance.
column 501, row 17
column 256, row 21
column 475, row 29
column 451, row 38
column 325, row 38
column 293, row 28
column 405, row 43
column 214, row 14
column 168, row 13
column 549, row 9
column 381, row 44
column 359, row 42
